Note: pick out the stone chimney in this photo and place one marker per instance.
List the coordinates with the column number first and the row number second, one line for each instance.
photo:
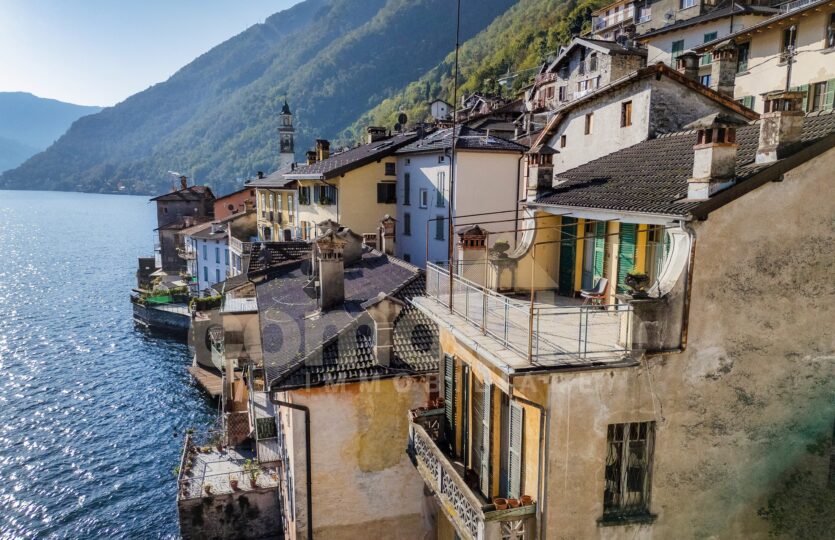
column 472, row 254
column 375, row 133
column 329, row 249
column 387, row 234
column 540, row 169
column 311, row 157
column 781, row 125
column 260, row 175
column 723, row 68
column 384, row 310
column 688, row 65
column 183, row 182
column 323, row 149
column 714, row 155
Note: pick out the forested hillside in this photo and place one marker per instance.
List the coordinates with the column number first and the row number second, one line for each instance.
column 215, row 119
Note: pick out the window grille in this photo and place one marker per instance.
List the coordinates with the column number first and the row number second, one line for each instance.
column 628, row 470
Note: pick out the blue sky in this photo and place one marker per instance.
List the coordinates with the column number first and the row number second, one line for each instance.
column 99, row 52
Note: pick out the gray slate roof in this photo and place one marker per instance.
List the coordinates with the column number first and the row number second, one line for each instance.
column 468, row 139
column 651, row 177
column 303, row 346
column 354, row 158
column 266, row 256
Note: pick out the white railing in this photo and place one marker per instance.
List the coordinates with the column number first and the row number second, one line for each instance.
column 472, row 519
column 605, row 21
column 797, row 4
column 238, row 247
column 541, row 332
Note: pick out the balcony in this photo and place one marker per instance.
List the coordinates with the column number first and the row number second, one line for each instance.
column 546, row 77
column 473, row 518
column 526, row 333
column 186, row 254
column 604, row 22
column 238, row 247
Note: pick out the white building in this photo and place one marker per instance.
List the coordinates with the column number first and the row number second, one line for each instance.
column 440, row 109
column 486, row 177
column 207, row 254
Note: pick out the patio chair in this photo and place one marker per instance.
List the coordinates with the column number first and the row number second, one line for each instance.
column 596, row 294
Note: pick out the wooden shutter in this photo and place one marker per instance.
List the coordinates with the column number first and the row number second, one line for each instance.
column 829, row 97
column 484, row 476
column 599, row 251
column 514, row 461
column 626, row 253
column 449, row 399
column 568, row 245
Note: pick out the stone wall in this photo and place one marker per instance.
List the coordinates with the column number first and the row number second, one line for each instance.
column 252, row 514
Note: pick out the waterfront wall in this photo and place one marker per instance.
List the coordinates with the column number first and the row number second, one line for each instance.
column 159, row 319
column 254, row 514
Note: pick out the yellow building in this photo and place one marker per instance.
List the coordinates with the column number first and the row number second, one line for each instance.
column 276, row 208
column 355, row 188
column 662, row 415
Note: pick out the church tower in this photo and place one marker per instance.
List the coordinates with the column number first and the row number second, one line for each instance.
column 286, row 136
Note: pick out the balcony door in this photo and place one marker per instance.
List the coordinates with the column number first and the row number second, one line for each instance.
column 568, row 247
column 482, row 412
column 594, row 247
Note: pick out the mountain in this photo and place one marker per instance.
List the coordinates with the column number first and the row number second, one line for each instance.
column 30, row 124
column 216, row 118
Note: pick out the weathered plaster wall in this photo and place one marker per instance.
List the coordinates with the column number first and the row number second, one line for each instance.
column 244, row 514
column 748, row 399
column 362, row 478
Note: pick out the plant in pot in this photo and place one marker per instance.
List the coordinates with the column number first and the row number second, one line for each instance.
column 526, row 500
column 233, row 482
column 253, row 469
column 501, row 504
column 637, row 284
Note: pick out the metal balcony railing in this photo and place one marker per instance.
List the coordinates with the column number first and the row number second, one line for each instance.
column 473, row 519
column 797, row 4
column 542, row 333
column 239, row 247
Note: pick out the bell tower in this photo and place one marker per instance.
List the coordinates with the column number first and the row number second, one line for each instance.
column 286, row 136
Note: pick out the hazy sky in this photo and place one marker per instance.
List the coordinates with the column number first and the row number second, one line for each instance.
column 99, row 52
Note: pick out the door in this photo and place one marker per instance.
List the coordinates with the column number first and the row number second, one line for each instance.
column 589, row 240
column 478, row 428
column 568, row 246
column 626, row 253
column 465, row 417
column 449, row 402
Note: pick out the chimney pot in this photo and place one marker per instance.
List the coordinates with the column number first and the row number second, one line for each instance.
column 781, row 125
column 323, row 149
column 688, row 65
column 714, row 155
column 376, row 133
column 723, row 68
column 329, row 251
column 311, row 157
column 183, row 182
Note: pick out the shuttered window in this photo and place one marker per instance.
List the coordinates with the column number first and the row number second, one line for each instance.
column 626, row 253
column 829, row 98
column 514, row 461
column 599, row 250
column 478, row 428
column 449, row 400
column 487, row 412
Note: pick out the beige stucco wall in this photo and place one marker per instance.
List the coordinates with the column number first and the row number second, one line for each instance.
column 659, row 48
column 737, row 411
column 363, row 481
column 267, row 200
column 811, row 64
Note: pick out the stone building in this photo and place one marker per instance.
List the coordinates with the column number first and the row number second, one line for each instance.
column 176, row 211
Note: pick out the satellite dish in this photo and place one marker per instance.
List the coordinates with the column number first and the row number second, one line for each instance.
column 402, row 119
column 397, row 127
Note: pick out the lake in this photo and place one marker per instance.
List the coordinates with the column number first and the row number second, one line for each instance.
column 92, row 410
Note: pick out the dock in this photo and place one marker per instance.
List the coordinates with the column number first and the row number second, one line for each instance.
column 209, row 380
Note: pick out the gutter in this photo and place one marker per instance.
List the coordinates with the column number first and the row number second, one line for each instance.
column 308, row 472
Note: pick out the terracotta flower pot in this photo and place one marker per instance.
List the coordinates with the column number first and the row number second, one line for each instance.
column 513, row 503
column 501, row 504
column 253, row 483
column 526, row 500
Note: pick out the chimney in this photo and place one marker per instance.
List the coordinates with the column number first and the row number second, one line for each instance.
column 388, row 234
column 311, row 157
column 781, row 125
column 183, row 182
column 323, row 149
column 540, row 169
column 714, row 155
column 688, row 65
column 260, row 175
column 723, row 68
column 329, row 249
column 472, row 253
column 375, row 133
column 384, row 310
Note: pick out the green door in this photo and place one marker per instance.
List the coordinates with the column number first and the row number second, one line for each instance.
column 599, row 251
column 626, row 253
column 568, row 248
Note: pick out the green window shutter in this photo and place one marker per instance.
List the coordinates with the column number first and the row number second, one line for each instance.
column 805, row 89
column 449, row 399
column 568, row 246
column 599, row 251
column 485, row 442
column 626, row 253
column 514, row 462
column 829, row 98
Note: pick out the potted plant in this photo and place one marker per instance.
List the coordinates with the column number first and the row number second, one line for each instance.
column 253, row 469
column 513, row 503
column 526, row 500
column 637, row 284
column 501, row 504
column 233, row 482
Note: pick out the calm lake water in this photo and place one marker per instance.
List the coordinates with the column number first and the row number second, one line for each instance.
column 92, row 411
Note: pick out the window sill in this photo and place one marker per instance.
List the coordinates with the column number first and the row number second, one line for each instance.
column 830, row 50
column 614, row 521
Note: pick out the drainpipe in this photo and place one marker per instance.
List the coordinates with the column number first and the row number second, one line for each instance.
column 516, row 210
column 685, row 312
column 308, row 472
column 544, row 428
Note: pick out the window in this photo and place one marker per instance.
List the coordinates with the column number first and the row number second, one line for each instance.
column 325, row 195
column 304, row 195
column 290, row 205
column 441, row 159
column 628, row 470
column 407, row 189
column 747, row 101
column 407, row 224
column 789, row 41
column 217, row 255
column 707, row 58
column 391, row 169
column 830, row 32
column 687, row 4
column 677, row 48
column 440, row 192
column 205, row 252
column 563, row 141
column 407, row 257
column 562, row 93
column 217, row 275
column 424, row 198
column 278, row 202
column 206, row 273
column 440, row 225
column 226, row 256
column 743, row 52
column 626, row 114
column 589, row 123
column 593, row 62
column 817, row 97
column 408, row 161
column 705, row 79
column 386, row 193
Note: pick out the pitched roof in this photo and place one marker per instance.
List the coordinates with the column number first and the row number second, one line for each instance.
column 267, row 256
column 274, row 180
column 719, row 13
column 304, row 345
column 191, row 193
column 601, row 45
column 651, row 177
column 188, row 222
column 349, row 160
column 467, row 139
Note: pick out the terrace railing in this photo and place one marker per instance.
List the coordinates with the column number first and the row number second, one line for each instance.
column 543, row 333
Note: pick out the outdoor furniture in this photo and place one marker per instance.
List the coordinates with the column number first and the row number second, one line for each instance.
column 597, row 294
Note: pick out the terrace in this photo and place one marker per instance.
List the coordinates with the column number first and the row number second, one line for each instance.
column 550, row 331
